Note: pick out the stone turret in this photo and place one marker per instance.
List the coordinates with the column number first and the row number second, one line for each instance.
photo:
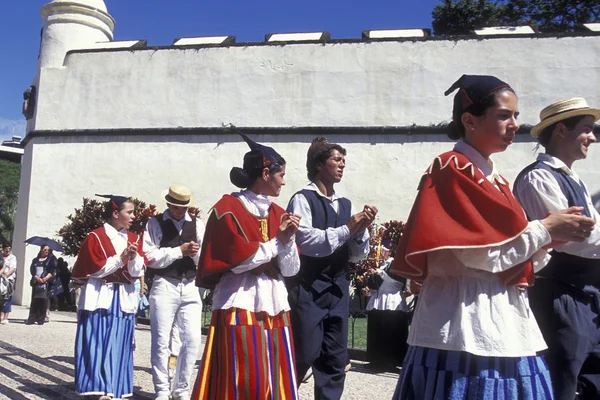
column 72, row 24
column 67, row 25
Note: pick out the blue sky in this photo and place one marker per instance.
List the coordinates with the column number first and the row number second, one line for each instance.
column 159, row 22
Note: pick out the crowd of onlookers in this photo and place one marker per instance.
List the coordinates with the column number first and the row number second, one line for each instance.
column 50, row 280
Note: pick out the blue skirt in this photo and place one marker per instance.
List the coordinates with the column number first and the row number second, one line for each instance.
column 104, row 352
column 429, row 374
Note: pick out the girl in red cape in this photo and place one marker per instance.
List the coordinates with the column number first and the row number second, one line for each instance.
column 468, row 241
column 109, row 261
column 248, row 248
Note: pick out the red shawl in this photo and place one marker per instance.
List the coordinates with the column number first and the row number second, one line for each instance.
column 457, row 207
column 95, row 250
column 232, row 237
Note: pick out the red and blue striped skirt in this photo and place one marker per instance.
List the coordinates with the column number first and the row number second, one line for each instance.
column 247, row 356
column 104, row 351
column 429, row 374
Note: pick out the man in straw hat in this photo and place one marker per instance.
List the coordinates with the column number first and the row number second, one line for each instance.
column 330, row 235
column 172, row 245
column 566, row 296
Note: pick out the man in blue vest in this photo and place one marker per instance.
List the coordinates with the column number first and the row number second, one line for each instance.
column 566, row 296
column 172, row 243
column 330, row 236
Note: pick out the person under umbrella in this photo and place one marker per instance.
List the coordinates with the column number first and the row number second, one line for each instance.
column 42, row 268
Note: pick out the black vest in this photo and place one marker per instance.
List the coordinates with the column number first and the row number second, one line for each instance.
column 184, row 267
column 325, row 269
column 567, row 268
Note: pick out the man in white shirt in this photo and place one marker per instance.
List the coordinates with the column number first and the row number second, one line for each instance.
column 330, row 236
column 566, row 296
column 172, row 243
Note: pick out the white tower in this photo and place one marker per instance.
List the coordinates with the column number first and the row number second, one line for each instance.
column 70, row 25
column 67, row 25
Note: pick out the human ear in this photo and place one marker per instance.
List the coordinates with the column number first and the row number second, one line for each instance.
column 561, row 130
column 468, row 121
column 265, row 174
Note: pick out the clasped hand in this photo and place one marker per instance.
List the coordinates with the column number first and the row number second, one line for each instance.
column 130, row 252
column 568, row 225
column 360, row 221
column 288, row 227
column 190, row 249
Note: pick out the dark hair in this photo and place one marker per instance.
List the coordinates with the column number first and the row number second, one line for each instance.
column 245, row 177
column 456, row 129
column 109, row 207
column 42, row 248
column 546, row 134
column 321, row 158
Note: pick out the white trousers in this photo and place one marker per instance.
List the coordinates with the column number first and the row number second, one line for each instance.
column 170, row 301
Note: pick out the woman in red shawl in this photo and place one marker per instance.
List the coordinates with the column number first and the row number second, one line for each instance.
column 468, row 241
column 248, row 248
column 109, row 261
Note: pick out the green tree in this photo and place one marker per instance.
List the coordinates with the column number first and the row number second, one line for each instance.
column 10, row 174
column 456, row 17
column 459, row 17
column 555, row 15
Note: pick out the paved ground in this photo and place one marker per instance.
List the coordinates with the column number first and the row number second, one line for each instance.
column 36, row 362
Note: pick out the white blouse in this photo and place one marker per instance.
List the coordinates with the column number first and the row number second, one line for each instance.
column 96, row 293
column 464, row 306
column 243, row 289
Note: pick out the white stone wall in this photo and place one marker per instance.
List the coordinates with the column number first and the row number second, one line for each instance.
column 303, row 85
column 381, row 170
column 348, row 84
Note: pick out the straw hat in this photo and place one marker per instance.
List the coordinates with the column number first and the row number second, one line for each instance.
column 178, row 195
column 562, row 110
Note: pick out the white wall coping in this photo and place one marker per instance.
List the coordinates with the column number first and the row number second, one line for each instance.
column 296, row 37
column 188, row 41
column 122, row 44
column 394, row 33
column 13, row 150
column 594, row 27
column 505, row 30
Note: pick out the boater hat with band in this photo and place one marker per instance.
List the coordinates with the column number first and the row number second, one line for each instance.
column 178, row 195
column 562, row 110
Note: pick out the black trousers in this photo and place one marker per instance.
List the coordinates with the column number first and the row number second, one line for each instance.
column 37, row 310
column 320, row 328
column 570, row 322
column 387, row 333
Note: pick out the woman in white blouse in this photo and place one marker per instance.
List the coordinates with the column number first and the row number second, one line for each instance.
column 109, row 261
column 248, row 248
column 469, row 242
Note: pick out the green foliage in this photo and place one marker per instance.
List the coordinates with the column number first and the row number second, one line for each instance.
column 555, row 15
column 455, row 17
column 89, row 217
column 10, row 173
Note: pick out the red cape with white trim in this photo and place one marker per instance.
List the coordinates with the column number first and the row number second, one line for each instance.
column 458, row 207
column 233, row 236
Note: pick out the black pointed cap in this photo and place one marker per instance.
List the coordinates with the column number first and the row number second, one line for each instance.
column 268, row 153
column 473, row 88
column 115, row 201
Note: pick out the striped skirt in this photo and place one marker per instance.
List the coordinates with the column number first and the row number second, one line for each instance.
column 103, row 351
column 429, row 374
column 247, row 356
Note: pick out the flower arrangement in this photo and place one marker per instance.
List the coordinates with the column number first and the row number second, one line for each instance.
column 383, row 243
column 89, row 217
